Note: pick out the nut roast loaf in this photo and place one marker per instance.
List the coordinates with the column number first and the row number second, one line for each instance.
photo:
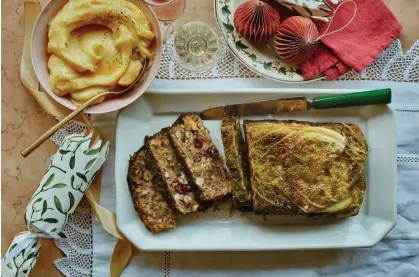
column 282, row 167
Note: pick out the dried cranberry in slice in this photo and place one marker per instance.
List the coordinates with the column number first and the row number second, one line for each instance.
column 212, row 152
column 181, row 188
column 197, row 143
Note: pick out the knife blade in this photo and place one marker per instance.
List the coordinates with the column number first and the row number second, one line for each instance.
column 273, row 106
column 295, row 104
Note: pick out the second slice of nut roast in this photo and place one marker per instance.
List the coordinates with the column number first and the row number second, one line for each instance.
column 234, row 150
column 201, row 159
column 166, row 167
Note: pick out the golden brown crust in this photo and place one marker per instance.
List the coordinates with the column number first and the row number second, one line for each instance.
column 167, row 169
column 304, row 167
column 149, row 203
column 236, row 163
column 200, row 157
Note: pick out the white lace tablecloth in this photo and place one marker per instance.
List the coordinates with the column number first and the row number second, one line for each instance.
column 88, row 248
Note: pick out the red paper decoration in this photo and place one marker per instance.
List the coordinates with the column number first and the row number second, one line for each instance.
column 256, row 20
column 295, row 40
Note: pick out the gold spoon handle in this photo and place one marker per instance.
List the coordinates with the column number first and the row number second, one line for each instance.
column 61, row 123
column 73, row 114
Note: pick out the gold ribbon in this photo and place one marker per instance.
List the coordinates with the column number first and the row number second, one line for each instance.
column 123, row 249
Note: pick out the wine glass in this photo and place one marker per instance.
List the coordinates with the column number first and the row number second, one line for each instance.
column 167, row 10
column 194, row 41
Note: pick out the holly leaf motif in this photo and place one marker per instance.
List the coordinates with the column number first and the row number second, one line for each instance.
column 9, row 265
column 282, row 70
column 58, row 205
column 229, row 27
column 92, row 151
column 53, row 229
column 89, row 164
column 72, row 200
column 225, row 10
column 72, row 162
column 267, row 66
column 240, row 45
column 63, row 152
column 253, row 57
column 51, row 220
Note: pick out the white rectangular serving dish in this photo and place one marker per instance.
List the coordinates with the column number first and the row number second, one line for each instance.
column 227, row 229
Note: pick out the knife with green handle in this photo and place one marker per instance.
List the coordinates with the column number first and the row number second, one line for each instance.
column 293, row 104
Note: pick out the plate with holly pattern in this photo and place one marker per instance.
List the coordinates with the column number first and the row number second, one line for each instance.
column 258, row 57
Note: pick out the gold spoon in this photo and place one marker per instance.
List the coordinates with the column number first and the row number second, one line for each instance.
column 74, row 113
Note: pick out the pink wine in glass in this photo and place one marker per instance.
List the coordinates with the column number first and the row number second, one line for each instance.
column 167, row 10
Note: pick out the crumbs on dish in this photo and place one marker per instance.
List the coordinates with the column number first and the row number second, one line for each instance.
column 95, row 45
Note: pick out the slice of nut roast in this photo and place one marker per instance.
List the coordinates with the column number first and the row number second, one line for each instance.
column 149, row 203
column 168, row 170
column 199, row 156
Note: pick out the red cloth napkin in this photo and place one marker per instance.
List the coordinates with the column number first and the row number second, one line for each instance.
column 372, row 30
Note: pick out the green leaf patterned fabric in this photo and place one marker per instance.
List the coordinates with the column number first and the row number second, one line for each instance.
column 22, row 263
column 68, row 177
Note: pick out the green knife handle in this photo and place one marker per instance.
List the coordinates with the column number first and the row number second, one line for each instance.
column 372, row 97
